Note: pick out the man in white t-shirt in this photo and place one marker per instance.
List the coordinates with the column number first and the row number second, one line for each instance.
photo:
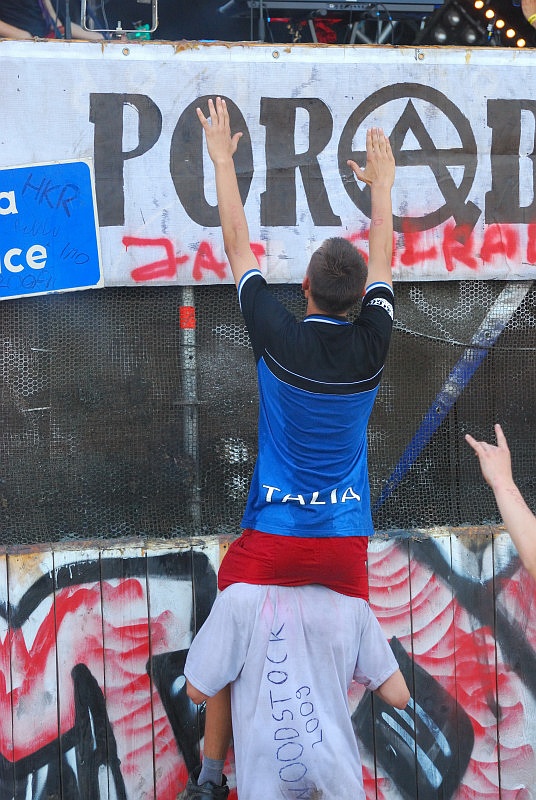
column 308, row 517
column 290, row 654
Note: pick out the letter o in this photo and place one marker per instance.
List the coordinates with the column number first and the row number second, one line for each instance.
column 277, row 672
column 291, row 773
column 291, row 751
column 289, row 733
column 310, row 709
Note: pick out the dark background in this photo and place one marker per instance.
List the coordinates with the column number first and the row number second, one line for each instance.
column 184, row 19
column 94, row 411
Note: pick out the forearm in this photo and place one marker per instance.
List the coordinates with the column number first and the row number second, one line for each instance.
column 8, row 31
column 381, row 234
column 519, row 521
column 232, row 218
column 77, row 32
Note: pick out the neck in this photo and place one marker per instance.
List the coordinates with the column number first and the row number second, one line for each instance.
column 312, row 308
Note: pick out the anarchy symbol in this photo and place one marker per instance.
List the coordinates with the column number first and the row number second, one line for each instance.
column 438, row 160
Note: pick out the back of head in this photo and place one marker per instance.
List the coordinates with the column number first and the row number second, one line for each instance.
column 337, row 273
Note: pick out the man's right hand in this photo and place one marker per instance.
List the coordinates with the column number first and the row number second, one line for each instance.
column 221, row 145
column 380, row 166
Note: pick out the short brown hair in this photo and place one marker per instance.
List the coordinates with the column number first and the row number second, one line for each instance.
column 337, row 273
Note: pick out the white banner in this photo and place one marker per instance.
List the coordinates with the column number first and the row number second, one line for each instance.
column 461, row 122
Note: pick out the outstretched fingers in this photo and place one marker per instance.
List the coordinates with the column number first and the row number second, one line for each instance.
column 217, row 113
column 380, row 160
column 477, row 446
column 202, row 119
column 501, row 438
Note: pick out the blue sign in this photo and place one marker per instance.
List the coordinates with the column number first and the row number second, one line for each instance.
column 48, row 229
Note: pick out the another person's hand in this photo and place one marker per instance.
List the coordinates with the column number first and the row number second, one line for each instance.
column 380, row 166
column 495, row 461
column 518, row 519
column 221, row 145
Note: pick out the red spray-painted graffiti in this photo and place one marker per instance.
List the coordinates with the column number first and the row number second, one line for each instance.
column 111, row 635
column 463, row 655
column 457, row 246
column 460, row 246
column 203, row 261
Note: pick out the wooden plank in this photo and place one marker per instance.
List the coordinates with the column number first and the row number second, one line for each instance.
column 175, row 720
column 515, row 603
column 127, row 684
column 472, row 583
column 82, row 706
column 205, row 565
column 443, row 730
column 7, row 773
column 386, row 755
column 34, row 675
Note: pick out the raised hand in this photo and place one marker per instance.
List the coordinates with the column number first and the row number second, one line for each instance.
column 221, row 145
column 380, row 166
column 495, row 461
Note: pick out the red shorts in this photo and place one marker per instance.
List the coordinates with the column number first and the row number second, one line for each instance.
column 338, row 562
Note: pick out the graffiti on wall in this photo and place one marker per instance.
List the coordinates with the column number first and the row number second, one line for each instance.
column 461, row 606
column 94, row 642
column 93, row 697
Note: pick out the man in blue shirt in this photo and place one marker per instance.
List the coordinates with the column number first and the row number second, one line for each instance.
column 308, row 517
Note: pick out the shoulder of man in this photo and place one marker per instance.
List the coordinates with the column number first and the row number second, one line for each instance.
column 379, row 295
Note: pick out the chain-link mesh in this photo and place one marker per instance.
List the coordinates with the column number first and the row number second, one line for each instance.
column 105, row 434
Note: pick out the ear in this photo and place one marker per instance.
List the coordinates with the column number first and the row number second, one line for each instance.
column 306, row 283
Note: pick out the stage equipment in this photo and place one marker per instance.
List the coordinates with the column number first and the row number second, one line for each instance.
column 137, row 15
column 457, row 23
column 358, row 13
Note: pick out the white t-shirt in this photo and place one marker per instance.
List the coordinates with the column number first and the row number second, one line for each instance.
column 291, row 654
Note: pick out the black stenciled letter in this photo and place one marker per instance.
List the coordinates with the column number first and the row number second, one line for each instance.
column 106, row 113
column 278, row 202
column 502, row 201
column 186, row 161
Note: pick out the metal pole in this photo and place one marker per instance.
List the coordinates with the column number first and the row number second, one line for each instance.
column 190, row 404
column 262, row 32
column 68, row 28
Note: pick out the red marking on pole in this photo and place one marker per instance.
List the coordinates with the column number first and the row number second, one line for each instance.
column 187, row 317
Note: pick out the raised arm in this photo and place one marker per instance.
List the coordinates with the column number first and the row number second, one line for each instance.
column 221, row 149
column 520, row 522
column 379, row 174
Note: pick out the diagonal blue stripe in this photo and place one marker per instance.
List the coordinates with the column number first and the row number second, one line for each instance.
column 485, row 337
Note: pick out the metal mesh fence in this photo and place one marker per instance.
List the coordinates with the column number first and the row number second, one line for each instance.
column 116, row 422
